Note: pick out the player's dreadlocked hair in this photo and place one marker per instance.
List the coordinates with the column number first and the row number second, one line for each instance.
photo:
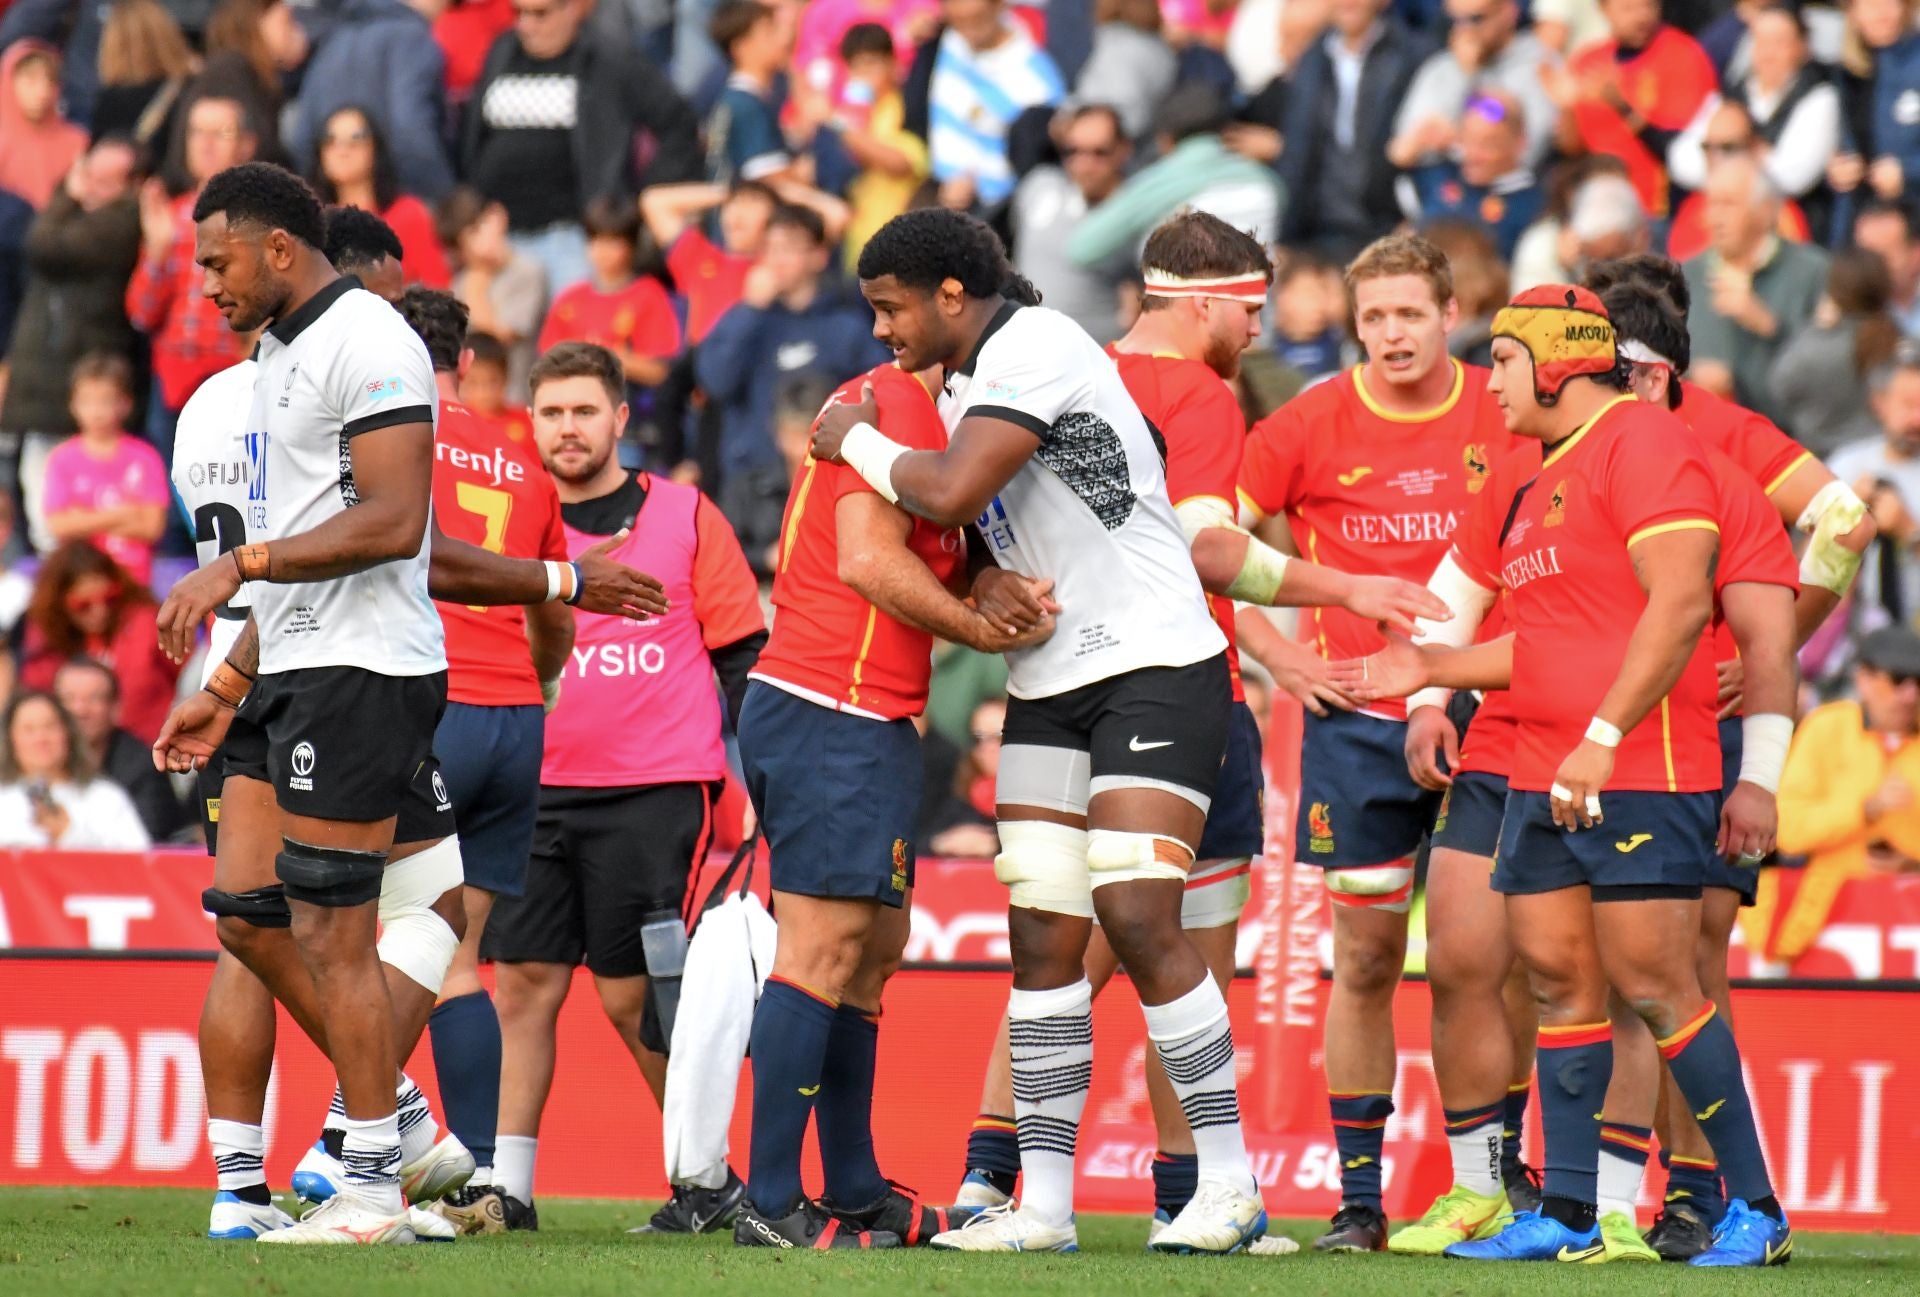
column 1199, row 245
column 441, row 321
column 266, row 197
column 924, row 248
column 1655, row 273
column 1642, row 314
column 357, row 239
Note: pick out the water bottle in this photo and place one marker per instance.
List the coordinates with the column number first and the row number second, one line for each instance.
column 663, row 939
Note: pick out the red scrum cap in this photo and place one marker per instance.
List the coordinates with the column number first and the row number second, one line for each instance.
column 1565, row 329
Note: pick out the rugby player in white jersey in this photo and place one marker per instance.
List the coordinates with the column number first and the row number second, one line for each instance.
column 1117, row 724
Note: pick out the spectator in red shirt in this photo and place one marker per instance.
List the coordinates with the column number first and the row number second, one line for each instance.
column 85, row 605
column 1632, row 94
column 191, row 340
column 37, row 145
column 352, row 167
column 709, row 275
column 629, row 315
column 466, row 30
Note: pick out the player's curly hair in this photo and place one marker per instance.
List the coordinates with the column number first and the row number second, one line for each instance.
column 1657, row 274
column 924, row 248
column 357, row 238
column 441, row 321
column 266, row 197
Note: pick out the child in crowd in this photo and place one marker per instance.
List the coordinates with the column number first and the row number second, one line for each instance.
column 744, row 139
column 629, row 315
column 483, row 390
column 872, row 126
column 103, row 486
column 1308, row 309
column 505, row 292
column 707, row 274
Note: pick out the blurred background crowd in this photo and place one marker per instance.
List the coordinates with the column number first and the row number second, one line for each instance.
column 689, row 183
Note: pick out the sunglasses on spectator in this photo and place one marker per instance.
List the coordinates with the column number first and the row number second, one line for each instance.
column 83, row 602
column 360, row 136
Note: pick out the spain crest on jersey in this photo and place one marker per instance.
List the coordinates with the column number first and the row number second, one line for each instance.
column 1474, row 456
column 1556, row 505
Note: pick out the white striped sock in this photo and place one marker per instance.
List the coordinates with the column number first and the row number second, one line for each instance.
column 1051, row 1035
column 1195, row 1041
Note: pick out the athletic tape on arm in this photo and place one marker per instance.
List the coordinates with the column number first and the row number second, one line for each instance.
column 870, row 453
column 1469, row 602
column 1764, row 740
column 1833, row 512
column 1258, row 581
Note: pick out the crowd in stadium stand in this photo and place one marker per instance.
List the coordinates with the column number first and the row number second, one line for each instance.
column 690, row 185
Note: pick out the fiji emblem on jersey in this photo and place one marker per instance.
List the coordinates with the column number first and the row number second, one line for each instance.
column 899, row 865
column 1474, row 456
column 1556, row 505
column 1319, row 829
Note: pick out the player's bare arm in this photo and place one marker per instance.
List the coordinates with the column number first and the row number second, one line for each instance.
column 1675, row 569
column 1762, row 618
column 951, row 487
column 1403, row 668
column 468, row 574
column 876, row 563
column 197, row 725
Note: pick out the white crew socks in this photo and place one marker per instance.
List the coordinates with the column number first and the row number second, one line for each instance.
column 1051, row 1039
column 370, row 1150
column 238, row 1150
column 1476, row 1152
column 513, row 1165
column 1618, row 1187
column 1195, row 1041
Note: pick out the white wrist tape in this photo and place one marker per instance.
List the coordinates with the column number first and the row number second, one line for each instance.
column 553, row 579
column 1605, row 733
column 1833, row 512
column 1258, row 581
column 1764, row 740
column 871, row 453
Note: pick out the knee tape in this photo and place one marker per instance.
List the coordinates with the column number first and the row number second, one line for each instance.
column 263, row 907
column 413, row 938
column 329, row 876
column 1045, row 867
column 1115, row 857
column 1217, row 893
column 1373, row 887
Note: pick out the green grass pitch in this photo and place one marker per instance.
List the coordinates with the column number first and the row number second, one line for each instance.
column 146, row 1243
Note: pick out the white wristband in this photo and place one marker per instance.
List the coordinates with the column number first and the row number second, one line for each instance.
column 1764, row 740
column 1602, row 732
column 553, row 580
column 870, row 453
column 1431, row 696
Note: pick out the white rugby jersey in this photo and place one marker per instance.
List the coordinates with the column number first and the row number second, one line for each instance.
column 342, row 365
column 216, row 477
column 1089, row 510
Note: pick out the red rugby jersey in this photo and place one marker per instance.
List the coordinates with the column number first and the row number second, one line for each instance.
column 1370, row 491
column 829, row 644
column 1626, row 474
column 492, row 493
column 638, row 318
column 1197, row 414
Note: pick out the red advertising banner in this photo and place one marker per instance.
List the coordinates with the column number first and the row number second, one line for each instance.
column 151, row 901
column 100, row 1083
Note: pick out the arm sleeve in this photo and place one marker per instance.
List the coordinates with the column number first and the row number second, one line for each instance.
column 731, row 663
column 754, row 143
column 1753, row 543
column 385, row 383
column 1686, row 156
column 1807, row 143
column 1270, row 465
column 726, row 599
column 1020, row 381
column 1204, row 445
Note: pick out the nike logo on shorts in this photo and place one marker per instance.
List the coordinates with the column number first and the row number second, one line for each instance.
column 1135, row 745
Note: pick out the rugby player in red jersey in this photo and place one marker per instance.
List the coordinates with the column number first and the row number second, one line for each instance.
column 1648, row 298
column 1370, row 472
column 832, row 764
column 1609, row 555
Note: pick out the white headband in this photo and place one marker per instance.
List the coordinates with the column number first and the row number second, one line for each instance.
column 1641, row 354
column 1250, row 289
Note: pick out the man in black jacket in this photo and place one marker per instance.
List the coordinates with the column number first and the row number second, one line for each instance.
column 1339, row 115
column 552, row 125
